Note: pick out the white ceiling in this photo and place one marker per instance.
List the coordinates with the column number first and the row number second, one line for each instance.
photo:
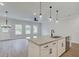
column 25, row 10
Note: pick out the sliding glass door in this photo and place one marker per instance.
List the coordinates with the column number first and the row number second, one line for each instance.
column 35, row 31
column 28, row 33
column 31, row 31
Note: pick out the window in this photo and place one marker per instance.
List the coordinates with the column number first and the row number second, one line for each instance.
column 18, row 29
column 34, row 36
column 35, row 30
column 27, row 37
column 28, row 29
column 5, row 29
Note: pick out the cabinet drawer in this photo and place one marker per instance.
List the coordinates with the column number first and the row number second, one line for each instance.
column 54, row 43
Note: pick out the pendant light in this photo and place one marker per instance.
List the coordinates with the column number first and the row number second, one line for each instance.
column 35, row 18
column 57, row 16
column 50, row 17
column 40, row 10
column 6, row 24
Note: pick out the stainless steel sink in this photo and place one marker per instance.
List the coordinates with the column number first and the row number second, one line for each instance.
column 56, row 36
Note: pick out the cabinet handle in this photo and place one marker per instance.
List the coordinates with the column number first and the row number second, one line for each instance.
column 46, row 46
column 62, row 44
column 50, row 52
column 54, row 43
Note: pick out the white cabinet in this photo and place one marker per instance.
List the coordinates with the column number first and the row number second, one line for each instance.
column 44, row 50
column 51, row 49
column 61, row 47
column 33, row 50
column 54, row 49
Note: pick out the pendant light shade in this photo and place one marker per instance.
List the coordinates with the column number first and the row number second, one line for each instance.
column 6, row 24
column 50, row 18
column 40, row 15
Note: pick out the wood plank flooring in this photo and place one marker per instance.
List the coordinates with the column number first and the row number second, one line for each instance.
column 73, row 51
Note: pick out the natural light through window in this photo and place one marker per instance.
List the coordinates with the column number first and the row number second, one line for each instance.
column 27, row 37
column 5, row 29
column 28, row 29
column 34, row 36
column 18, row 29
column 35, row 29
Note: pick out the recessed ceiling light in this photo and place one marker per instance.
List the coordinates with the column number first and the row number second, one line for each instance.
column 2, row 4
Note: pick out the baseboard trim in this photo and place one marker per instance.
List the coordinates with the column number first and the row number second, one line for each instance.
column 75, row 42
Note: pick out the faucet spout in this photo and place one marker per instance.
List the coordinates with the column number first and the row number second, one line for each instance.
column 52, row 33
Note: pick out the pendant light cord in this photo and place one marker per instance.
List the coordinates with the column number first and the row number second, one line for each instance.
column 50, row 11
column 6, row 17
column 40, row 9
column 56, row 14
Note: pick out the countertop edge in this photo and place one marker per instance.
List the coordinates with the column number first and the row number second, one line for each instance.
column 46, row 42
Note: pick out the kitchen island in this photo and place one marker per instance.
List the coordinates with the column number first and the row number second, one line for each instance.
column 46, row 47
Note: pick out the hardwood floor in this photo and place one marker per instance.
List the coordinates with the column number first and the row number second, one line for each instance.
column 18, row 48
column 73, row 51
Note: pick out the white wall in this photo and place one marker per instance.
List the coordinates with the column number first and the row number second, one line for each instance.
column 66, row 26
column 11, row 33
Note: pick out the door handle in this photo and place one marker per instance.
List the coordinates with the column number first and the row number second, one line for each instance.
column 62, row 44
column 46, row 46
column 54, row 43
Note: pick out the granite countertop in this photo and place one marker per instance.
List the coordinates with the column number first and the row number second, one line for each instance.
column 44, row 40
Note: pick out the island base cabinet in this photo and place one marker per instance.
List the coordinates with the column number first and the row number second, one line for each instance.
column 54, row 49
column 44, row 50
column 51, row 49
column 61, row 47
column 33, row 50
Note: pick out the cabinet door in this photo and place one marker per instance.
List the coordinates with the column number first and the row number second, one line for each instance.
column 53, row 49
column 45, row 50
column 61, row 46
column 49, row 50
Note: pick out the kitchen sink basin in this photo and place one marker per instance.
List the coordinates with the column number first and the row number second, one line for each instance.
column 56, row 36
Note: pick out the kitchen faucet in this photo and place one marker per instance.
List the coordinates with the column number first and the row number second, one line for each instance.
column 52, row 32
